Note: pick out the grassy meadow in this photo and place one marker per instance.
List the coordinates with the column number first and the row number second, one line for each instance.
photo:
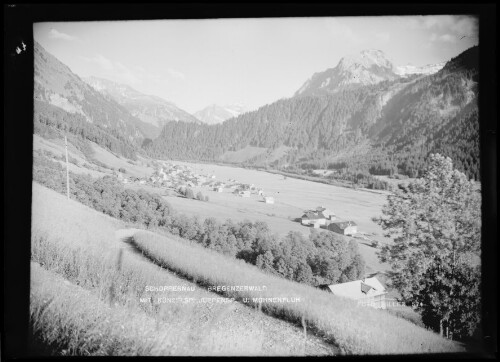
column 354, row 329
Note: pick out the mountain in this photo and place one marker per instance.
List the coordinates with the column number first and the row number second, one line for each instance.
column 56, row 84
column 407, row 70
column 64, row 101
column 215, row 114
column 149, row 109
column 387, row 127
column 366, row 68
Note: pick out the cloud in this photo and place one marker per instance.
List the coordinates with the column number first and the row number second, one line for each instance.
column 102, row 61
column 452, row 25
column 448, row 38
column 54, row 34
column 133, row 75
column 466, row 27
column 115, row 70
column 175, row 73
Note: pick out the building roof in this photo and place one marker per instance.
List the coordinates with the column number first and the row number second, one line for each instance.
column 312, row 215
column 343, row 224
column 368, row 287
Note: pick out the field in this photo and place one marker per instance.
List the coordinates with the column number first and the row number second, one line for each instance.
column 89, row 286
column 292, row 197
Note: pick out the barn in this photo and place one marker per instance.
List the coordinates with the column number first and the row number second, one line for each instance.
column 343, row 227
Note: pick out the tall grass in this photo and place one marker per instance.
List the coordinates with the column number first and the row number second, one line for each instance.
column 193, row 329
column 354, row 329
column 72, row 321
column 80, row 245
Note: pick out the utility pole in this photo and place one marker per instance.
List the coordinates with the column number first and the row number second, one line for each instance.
column 67, row 170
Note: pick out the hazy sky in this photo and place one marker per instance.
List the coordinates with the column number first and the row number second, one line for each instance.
column 194, row 63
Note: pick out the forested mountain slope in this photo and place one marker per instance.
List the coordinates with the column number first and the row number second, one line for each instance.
column 387, row 127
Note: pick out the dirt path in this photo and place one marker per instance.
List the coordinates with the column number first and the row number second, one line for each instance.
column 279, row 337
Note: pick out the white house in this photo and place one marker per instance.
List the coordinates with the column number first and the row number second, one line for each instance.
column 367, row 292
column 269, row 199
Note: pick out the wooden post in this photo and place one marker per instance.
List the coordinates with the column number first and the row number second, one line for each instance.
column 67, row 166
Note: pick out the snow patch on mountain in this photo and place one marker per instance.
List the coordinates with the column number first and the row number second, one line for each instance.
column 409, row 69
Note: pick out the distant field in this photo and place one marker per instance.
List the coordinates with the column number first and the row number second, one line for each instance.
column 292, row 197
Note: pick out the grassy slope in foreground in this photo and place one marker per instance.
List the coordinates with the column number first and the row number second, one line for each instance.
column 80, row 245
column 68, row 317
column 354, row 329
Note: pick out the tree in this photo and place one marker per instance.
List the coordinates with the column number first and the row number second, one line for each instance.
column 266, row 261
column 189, row 193
column 436, row 225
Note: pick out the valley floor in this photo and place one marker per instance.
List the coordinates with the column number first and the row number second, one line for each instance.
column 292, row 196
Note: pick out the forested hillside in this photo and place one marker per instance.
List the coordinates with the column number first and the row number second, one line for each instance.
column 56, row 86
column 386, row 128
column 52, row 122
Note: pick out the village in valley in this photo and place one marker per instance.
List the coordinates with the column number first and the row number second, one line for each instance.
column 178, row 178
